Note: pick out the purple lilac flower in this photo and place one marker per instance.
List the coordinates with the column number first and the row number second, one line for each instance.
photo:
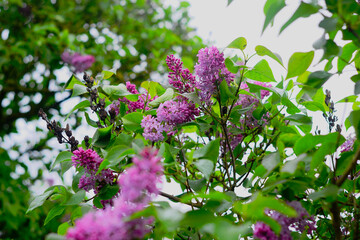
column 302, row 222
column 80, row 62
column 90, row 161
column 211, row 71
column 137, row 186
column 262, row 231
column 153, row 129
column 180, row 78
column 115, row 106
column 177, row 111
column 348, row 145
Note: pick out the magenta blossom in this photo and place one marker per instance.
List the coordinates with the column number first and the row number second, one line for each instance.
column 180, row 78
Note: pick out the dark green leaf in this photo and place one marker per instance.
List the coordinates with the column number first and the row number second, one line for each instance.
column 355, row 121
column 270, row 161
column 318, row 78
column 329, row 193
column 102, row 137
column 108, row 191
column 40, row 199
column 198, row 184
column 329, row 24
column 230, row 65
column 55, row 211
column 225, row 93
column 90, row 121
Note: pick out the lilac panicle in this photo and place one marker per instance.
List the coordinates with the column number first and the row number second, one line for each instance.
column 177, row 111
column 80, row 62
column 179, row 78
column 153, row 129
column 137, row 186
column 262, row 231
column 211, row 71
column 90, row 161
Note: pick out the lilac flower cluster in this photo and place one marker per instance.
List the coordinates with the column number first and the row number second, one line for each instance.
column 180, row 78
column 137, row 185
column 80, row 62
column 141, row 103
column 211, row 71
column 303, row 222
column 169, row 114
column 90, row 161
column 348, row 145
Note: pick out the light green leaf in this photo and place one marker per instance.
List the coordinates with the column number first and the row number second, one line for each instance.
column 304, row 10
column 77, row 198
column 261, row 72
column 153, row 88
column 40, row 199
column 132, row 121
column 62, row 229
column 170, row 218
column 271, row 8
column 63, row 156
column 347, row 52
column 107, row 74
column 83, row 104
column 78, row 90
column 72, row 81
column 209, row 151
column 205, row 166
column 263, row 51
column 238, row 43
column 168, row 95
column 299, row 62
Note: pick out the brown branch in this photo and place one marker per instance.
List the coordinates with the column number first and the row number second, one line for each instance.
column 176, row 199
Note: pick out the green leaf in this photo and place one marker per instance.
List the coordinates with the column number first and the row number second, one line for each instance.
column 304, row 10
column 132, row 121
column 170, row 218
column 168, row 152
column 198, row 184
column 72, row 81
column 354, row 119
column 329, row 193
column 65, row 166
column 263, row 51
column 116, row 154
column 62, row 229
column 83, row 104
column 106, row 74
column 108, row 191
column 168, row 95
column 318, row 78
column 77, row 198
column 271, row 8
column 40, row 199
column 299, row 118
column 55, row 211
column 299, row 62
column 346, row 55
column 194, row 97
column 329, row 24
column 78, row 90
column 153, row 88
column 90, row 121
column 291, row 108
column 238, row 43
column 209, row 151
column 313, row 106
column 261, row 72
column 54, row 236
column 102, row 137
column 205, row 166
column 63, row 156
column 230, row 65
column 116, row 91
column 271, row 161
column 291, row 165
column 97, row 203
column 225, row 93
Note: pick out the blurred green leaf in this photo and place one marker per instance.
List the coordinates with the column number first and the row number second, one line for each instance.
column 271, row 8
column 55, row 211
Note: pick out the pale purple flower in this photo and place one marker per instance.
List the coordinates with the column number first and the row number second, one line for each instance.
column 180, row 78
column 112, row 223
column 115, row 106
column 177, row 111
column 348, row 145
column 211, row 71
column 153, row 129
column 78, row 61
